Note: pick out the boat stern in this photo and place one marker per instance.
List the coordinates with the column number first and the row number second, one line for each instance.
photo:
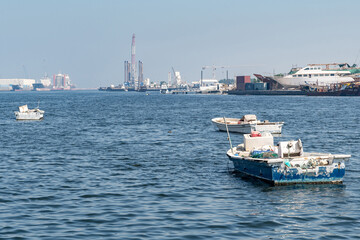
column 333, row 173
column 316, row 168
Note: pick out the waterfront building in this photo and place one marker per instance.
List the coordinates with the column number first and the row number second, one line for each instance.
column 23, row 83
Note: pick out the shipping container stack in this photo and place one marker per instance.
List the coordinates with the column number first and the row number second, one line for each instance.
column 241, row 81
column 260, row 86
column 249, row 86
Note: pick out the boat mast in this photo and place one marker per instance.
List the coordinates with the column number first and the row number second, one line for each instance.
column 227, row 130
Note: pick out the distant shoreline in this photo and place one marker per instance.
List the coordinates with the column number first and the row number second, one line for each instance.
column 51, row 90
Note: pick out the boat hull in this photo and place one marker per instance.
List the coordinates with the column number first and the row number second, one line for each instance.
column 345, row 92
column 280, row 174
column 271, row 128
column 237, row 128
column 289, row 81
column 29, row 116
column 274, row 127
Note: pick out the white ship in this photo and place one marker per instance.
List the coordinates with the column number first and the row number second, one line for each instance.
column 209, row 85
column 319, row 75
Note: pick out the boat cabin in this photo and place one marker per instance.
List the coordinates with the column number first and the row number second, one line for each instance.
column 23, row 109
column 248, row 118
column 258, row 141
column 265, row 141
column 290, row 149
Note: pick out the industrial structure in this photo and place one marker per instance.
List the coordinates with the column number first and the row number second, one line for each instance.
column 132, row 78
column 127, row 74
column 45, row 81
column 61, row 81
column 141, row 82
column 177, row 78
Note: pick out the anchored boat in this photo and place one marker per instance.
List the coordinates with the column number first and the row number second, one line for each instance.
column 340, row 89
column 285, row 163
column 29, row 114
column 247, row 124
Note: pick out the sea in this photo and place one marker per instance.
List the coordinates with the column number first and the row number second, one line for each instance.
column 128, row 165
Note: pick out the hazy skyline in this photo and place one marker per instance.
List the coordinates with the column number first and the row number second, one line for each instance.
column 90, row 40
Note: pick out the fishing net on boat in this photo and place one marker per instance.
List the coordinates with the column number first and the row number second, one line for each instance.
column 264, row 154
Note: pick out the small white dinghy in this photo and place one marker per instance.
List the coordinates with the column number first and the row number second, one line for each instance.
column 247, row 124
column 29, row 114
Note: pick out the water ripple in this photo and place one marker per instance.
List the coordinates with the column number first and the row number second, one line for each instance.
column 132, row 166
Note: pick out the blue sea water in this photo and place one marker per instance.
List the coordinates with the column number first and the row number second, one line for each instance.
column 133, row 166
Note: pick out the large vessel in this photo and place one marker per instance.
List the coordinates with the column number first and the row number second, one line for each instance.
column 319, row 74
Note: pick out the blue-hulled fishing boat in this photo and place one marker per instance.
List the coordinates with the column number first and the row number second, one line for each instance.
column 285, row 163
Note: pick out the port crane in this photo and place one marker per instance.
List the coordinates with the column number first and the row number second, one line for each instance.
column 213, row 69
column 220, row 67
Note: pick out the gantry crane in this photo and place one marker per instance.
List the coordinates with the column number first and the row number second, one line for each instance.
column 216, row 67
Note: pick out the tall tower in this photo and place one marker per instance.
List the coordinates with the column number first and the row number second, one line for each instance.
column 126, row 73
column 133, row 63
column 141, row 75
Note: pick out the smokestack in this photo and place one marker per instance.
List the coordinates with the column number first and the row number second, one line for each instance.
column 125, row 72
column 133, row 63
column 141, row 75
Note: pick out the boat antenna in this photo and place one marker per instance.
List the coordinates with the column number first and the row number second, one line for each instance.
column 38, row 104
column 227, row 130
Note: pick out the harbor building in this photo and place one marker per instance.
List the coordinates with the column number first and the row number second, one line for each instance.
column 23, row 83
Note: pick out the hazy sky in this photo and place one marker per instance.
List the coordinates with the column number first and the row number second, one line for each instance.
column 90, row 40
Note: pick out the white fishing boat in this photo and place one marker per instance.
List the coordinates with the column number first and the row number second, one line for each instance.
column 29, row 114
column 285, row 163
column 318, row 74
column 247, row 124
